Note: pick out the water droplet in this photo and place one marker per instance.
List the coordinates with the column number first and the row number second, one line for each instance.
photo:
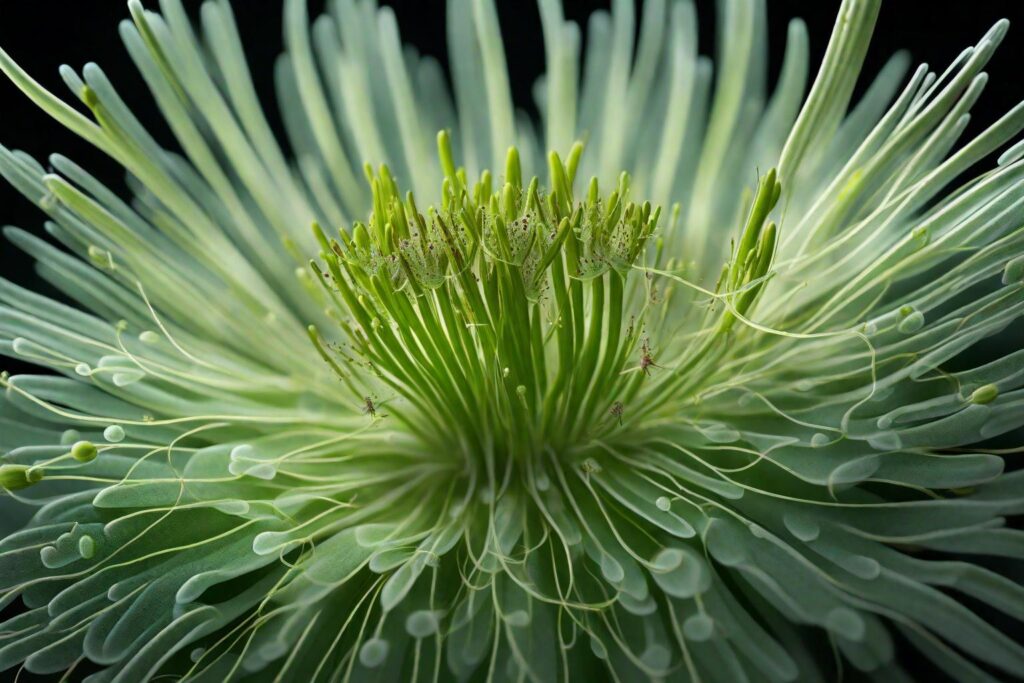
column 517, row 618
column 149, row 337
column 373, row 653
column 656, row 657
column 698, row 628
column 83, row 370
column 86, row 547
column 663, row 503
column 114, row 433
column 421, row 623
column 819, row 440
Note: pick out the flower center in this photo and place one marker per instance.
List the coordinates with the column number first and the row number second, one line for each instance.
column 511, row 319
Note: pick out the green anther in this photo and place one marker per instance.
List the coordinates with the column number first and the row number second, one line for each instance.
column 984, row 395
column 17, row 477
column 84, row 451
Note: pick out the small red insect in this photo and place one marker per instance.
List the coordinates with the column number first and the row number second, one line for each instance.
column 371, row 408
column 646, row 359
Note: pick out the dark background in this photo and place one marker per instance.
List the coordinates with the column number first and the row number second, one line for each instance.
column 43, row 35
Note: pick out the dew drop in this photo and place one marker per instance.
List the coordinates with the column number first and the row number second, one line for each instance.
column 663, row 503
column 421, row 623
column 656, row 657
column 83, row 370
column 819, row 440
column 149, row 337
column 86, row 547
column 114, row 433
column 517, row 618
column 698, row 628
column 373, row 653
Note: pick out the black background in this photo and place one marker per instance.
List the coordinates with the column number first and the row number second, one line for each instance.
column 43, row 35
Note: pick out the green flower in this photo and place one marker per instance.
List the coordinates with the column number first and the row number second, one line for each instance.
column 700, row 399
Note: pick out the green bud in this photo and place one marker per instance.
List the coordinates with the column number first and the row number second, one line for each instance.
column 985, row 394
column 84, row 451
column 17, row 477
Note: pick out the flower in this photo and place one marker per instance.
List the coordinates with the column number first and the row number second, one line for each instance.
column 701, row 399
